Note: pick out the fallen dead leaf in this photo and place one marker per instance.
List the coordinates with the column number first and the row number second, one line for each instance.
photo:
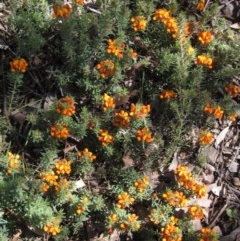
column 127, row 160
column 221, row 136
column 174, row 163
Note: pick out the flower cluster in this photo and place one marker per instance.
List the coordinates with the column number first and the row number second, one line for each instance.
column 108, row 102
column 106, row 68
column 63, row 166
column 65, row 106
column 144, row 135
column 168, row 94
column 121, row 119
column 206, row 138
column 204, row 60
column 196, row 212
column 175, row 198
column 114, row 49
column 84, row 203
column 139, row 111
column 13, row 162
column 201, row 5
column 208, row 234
column 139, row 23
column 232, row 89
column 165, row 17
column 142, row 184
column 171, row 232
column 131, row 223
column 18, row 65
column 217, row 112
column 184, row 178
column 61, row 11
column 59, row 131
column 104, row 137
column 49, row 179
column 87, row 154
column 124, row 200
column 205, row 37
column 52, row 227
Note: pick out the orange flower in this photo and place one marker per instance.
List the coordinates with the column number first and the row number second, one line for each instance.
column 124, row 226
column 113, row 218
column 204, row 60
column 84, row 203
column 104, row 137
column 196, row 212
column 63, row 166
column 52, row 227
column 139, row 111
column 232, row 90
column 218, row 113
column 170, row 232
column 80, row 1
column 106, row 68
column 65, row 106
column 124, row 200
column 175, row 198
column 49, row 177
column 133, row 222
column 133, row 54
column 113, row 48
column 168, row 94
column 121, row 119
column 142, row 184
column 208, row 234
column 108, row 102
column 87, row 154
column 144, row 135
column 61, row 11
column 139, row 23
column 205, row 37
column 233, row 117
column 208, row 109
column 188, row 28
column 206, row 138
column 199, row 190
column 60, row 131
column 13, row 162
column 18, row 65
column 201, row 5
column 165, row 17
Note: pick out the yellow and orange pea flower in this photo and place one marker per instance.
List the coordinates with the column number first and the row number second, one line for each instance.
column 208, row 109
column 65, row 106
column 108, row 102
column 205, row 37
column 168, row 94
column 83, row 205
column 52, row 227
column 124, row 200
column 61, row 11
column 104, row 137
column 49, row 177
column 201, row 5
column 18, row 65
column 206, row 138
column 113, row 218
column 133, row 221
column 79, row 1
column 233, row 117
column 87, row 154
column 106, row 68
column 171, row 232
column 208, row 234
column 232, row 89
column 175, row 198
column 165, row 17
column 121, row 119
column 139, row 111
column 204, row 60
column 218, row 113
column 144, row 135
column 142, row 184
column 196, row 212
column 63, row 166
column 13, row 162
column 139, row 23
column 59, row 131
column 114, row 49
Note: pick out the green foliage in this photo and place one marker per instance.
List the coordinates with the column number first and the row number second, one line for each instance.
column 65, row 59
